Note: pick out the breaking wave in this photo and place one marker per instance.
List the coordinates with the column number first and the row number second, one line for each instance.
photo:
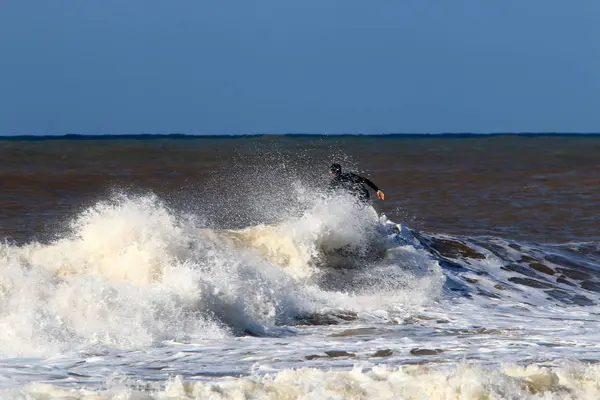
column 131, row 272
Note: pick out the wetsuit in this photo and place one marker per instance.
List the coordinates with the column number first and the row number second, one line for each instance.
column 353, row 184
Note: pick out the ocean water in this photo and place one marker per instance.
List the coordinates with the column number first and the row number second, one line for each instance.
column 220, row 268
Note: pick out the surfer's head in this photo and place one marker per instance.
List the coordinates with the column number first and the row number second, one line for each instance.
column 335, row 169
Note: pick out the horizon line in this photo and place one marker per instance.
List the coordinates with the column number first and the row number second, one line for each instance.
column 83, row 136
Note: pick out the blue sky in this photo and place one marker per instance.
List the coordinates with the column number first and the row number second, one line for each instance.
column 311, row 66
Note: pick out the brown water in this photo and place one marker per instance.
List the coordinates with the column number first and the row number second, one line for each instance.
column 540, row 189
column 137, row 291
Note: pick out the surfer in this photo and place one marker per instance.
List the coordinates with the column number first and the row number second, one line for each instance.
column 352, row 183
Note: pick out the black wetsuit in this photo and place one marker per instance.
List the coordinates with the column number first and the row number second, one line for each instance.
column 353, row 184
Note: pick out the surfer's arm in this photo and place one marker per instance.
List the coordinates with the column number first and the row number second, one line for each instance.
column 367, row 182
column 373, row 186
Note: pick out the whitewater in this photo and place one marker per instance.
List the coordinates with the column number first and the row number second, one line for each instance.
column 138, row 300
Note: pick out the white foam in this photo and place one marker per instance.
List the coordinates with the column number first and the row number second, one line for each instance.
column 131, row 273
column 461, row 381
column 116, row 281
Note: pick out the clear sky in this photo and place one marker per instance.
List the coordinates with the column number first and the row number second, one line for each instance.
column 310, row 66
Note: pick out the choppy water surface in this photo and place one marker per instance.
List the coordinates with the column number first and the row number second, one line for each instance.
column 220, row 268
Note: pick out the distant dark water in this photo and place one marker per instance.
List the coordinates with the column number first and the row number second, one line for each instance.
column 540, row 188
